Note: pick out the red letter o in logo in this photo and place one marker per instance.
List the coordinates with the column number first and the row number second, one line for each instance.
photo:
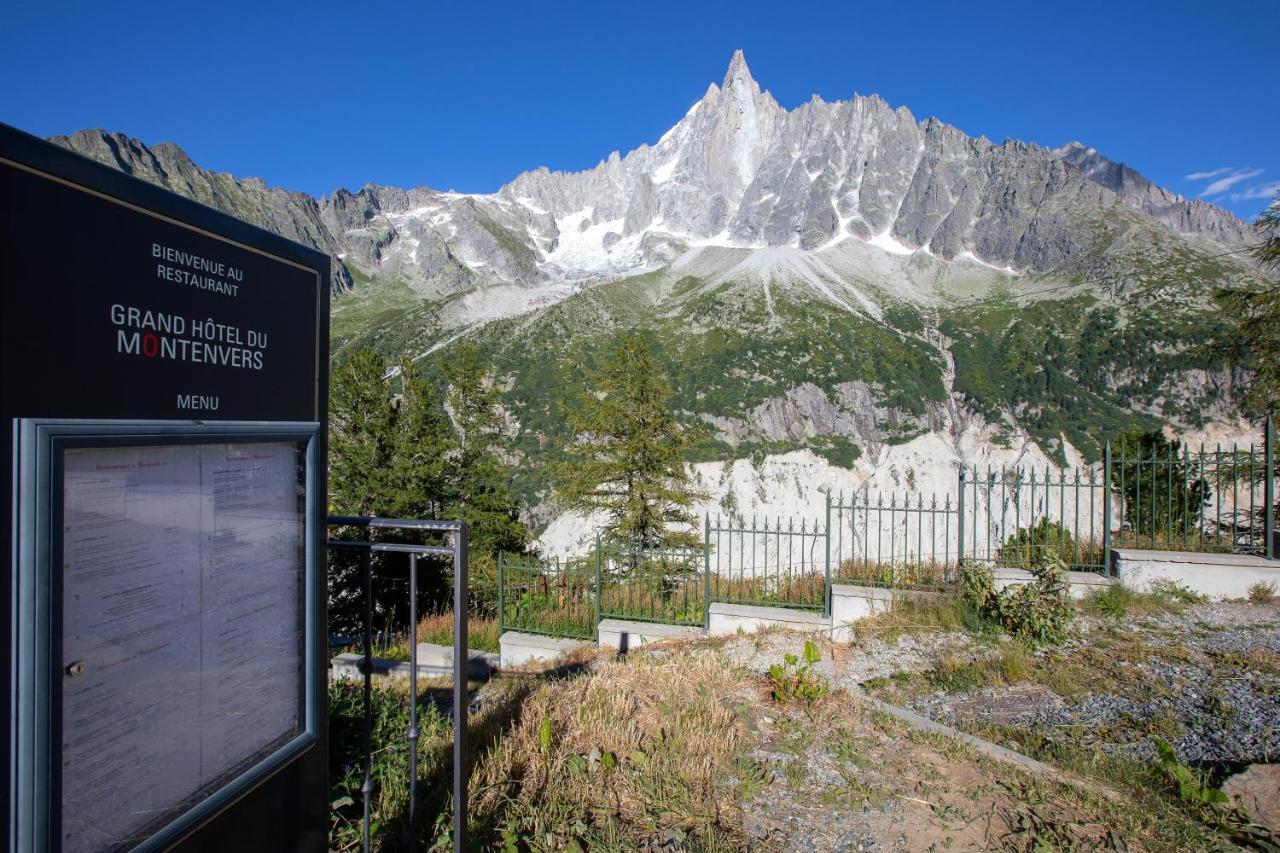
column 150, row 345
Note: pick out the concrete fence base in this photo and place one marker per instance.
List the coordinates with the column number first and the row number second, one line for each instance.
column 520, row 649
column 850, row 604
column 1079, row 584
column 623, row 636
column 728, row 619
column 1214, row 575
column 434, row 661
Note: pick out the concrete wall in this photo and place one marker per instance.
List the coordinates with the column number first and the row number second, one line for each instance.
column 1079, row 584
column 519, row 649
column 623, row 636
column 850, row 604
column 1214, row 575
column 728, row 619
column 434, row 661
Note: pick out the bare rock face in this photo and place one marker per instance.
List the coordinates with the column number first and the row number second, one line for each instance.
column 738, row 170
column 1181, row 215
column 294, row 215
column 1257, row 792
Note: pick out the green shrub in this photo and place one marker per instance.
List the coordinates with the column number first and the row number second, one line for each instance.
column 1034, row 544
column 1037, row 612
column 793, row 680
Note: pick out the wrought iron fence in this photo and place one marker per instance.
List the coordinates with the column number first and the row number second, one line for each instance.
column 1015, row 516
column 651, row 584
column 547, row 596
column 782, row 563
column 1007, row 516
column 1210, row 499
column 904, row 541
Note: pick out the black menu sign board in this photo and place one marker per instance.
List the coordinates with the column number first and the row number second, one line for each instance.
column 163, row 395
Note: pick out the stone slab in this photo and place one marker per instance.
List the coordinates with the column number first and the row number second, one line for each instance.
column 520, row 649
column 1216, row 576
column 1257, row 791
column 728, row 619
column 623, row 635
column 850, row 604
column 1079, row 584
column 433, row 662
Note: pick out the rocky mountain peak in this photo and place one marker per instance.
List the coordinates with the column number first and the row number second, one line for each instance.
column 738, row 75
column 737, row 171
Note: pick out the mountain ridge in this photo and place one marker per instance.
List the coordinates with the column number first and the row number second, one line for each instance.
column 737, row 170
column 838, row 279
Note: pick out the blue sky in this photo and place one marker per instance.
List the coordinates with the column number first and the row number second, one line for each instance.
column 466, row 95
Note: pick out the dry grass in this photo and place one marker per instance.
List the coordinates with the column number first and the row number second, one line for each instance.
column 1262, row 593
column 917, row 613
column 912, row 574
column 482, row 632
column 631, row 751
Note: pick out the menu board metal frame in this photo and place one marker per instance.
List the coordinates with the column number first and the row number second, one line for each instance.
column 36, row 730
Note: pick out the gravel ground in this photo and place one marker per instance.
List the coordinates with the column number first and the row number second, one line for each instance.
column 1227, row 711
column 1205, row 686
column 844, row 666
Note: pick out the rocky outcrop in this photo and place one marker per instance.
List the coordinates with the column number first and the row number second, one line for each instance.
column 1180, row 214
column 290, row 214
column 737, row 170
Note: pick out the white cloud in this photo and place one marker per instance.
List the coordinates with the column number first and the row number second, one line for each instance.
column 1267, row 191
column 1221, row 185
column 1204, row 176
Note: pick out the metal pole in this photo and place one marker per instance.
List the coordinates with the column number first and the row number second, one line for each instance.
column 366, row 788
column 460, row 666
column 960, row 516
column 706, row 572
column 1107, row 568
column 1269, row 489
column 826, row 602
column 502, row 580
column 598, row 584
column 413, row 701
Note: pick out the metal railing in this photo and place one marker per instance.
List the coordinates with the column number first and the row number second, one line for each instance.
column 552, row 597
column 456, row 532
column 650, row 584
column 903, row 542
column 1014, row 516
column 1211, row 499
column 782, row 562
column 1010, row 516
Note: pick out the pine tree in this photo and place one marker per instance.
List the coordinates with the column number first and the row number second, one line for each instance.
column 628, row 454
column 1256, row 311
column 388, row 456
column 482, row 494
column 421, row 473
column 362, row 427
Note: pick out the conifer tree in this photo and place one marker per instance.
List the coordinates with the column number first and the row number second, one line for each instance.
column 481, row 494
column 362, row 426
column 628, row 454
column 388, row 456
column 1255, row 340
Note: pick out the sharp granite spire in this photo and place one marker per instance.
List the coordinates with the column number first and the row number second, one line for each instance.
column 736, row 171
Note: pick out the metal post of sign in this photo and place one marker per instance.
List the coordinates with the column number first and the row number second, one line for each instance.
column 460, row 663
column 1108, row 569
column 1269, row 489
column 458, row 551
column 826, row 583
column 413, row 702
column 366, row 587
